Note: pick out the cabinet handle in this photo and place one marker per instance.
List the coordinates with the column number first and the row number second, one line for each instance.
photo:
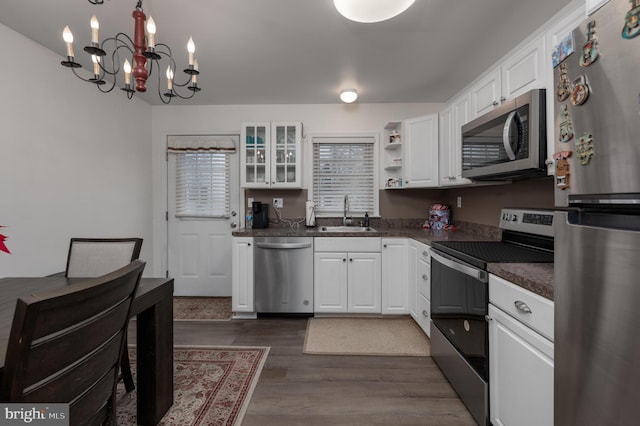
column 384, row 245
column 425, row 253
column 344, row 260
column 502, row 99
column 425, row 277
column 495, row 103
column 248, row 244
column 425, row 313
column 487, row 318
column 351, row 259
column 521, row 306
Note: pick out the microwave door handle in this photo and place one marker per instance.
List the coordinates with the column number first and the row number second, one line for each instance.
column 506, row 131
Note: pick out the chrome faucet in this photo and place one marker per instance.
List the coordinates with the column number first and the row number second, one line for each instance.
column 346, row 220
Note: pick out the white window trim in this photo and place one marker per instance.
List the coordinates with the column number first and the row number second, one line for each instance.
column 308, row 167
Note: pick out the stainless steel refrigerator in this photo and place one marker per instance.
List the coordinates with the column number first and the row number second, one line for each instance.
column 597, row 236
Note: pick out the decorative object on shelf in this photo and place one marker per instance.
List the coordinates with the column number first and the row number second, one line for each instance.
column 393, row 183
column 140, row 50
column 369, row 11
column 566, row 126
column 631, row 21
column 3, row 246
column 590, row 50
column 348, row 95
column 562, row 168
column 584, row 146
column 394, row 137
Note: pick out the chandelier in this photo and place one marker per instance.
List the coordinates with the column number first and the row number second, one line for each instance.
column 145, row 56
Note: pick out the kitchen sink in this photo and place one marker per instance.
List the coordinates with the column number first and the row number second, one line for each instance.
column 347, row 229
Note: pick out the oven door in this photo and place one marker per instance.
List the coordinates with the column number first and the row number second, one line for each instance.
column 459, row 304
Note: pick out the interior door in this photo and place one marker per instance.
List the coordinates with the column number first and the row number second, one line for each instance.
column 200, row 245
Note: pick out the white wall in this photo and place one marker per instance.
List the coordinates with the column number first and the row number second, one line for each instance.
column 73, row 161
column 334, row 118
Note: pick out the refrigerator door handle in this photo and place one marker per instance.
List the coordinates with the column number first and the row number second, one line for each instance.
column 506, row 131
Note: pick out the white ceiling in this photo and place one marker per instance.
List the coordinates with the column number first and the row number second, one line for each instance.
column 303, row 51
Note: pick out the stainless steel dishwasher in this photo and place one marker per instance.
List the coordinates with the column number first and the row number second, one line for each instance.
column 283, row 275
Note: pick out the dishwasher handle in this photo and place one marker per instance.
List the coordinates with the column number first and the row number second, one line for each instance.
column 281, row 246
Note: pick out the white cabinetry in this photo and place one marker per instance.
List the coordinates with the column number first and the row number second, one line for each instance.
column 421, row 152
column 347, row 275
column 521, row 356
column 242, row 297
column 451, row 121
column 395, row 294
column 271, row 155
column 518, row 73
column 420, row 284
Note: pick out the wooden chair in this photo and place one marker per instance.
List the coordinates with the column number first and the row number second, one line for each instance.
column 92, row 257
column 65, row 345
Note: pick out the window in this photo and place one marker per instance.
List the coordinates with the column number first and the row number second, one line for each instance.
column 344, row 166
column 202, row 174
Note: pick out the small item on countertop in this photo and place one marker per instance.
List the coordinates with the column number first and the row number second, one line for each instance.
column 366, row 223
column 248, row 224
column 439, row 218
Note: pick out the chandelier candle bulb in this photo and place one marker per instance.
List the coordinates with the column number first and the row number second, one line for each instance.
column 169, row 79
column 151, row 32
column 95, row 26
column 96, row 65
column 191, row 48
column 127, row 72
column 67, row 36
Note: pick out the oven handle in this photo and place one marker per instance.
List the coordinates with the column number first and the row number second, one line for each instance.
column 455, row 264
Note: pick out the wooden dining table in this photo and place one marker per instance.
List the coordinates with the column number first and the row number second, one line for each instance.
column 153, row 309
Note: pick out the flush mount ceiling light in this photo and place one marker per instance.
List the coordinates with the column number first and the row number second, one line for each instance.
column 368, row 11
column 348, row 95
column 144, row 54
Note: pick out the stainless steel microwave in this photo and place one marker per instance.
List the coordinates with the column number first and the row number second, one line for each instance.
column 508, row 142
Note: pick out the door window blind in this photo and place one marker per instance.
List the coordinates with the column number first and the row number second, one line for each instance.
column 344, row 166
column 202, row 184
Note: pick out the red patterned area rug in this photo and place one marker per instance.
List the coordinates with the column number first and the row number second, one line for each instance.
column 211, row 386
column 201, row 308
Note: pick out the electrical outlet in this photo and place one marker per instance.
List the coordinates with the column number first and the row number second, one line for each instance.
column 249, row 202
column 459, row 202
column 277, row 203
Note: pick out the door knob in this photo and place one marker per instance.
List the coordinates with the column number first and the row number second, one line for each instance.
column 233, row 213
column 233, row 225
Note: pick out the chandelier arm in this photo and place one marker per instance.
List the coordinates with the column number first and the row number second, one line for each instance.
column 80, row 77
column 168, row 51
column 113, row 85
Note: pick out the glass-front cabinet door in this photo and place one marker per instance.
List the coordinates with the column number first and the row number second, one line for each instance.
column 270, row 155
column 285, row 155
column 255, row 165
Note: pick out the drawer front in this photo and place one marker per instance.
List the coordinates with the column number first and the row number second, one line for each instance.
column 424, row 279
column 424, row 314
column 354, row 244
column 423, row 252
column 527, row 307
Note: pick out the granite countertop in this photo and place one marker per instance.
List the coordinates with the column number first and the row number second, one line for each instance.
column 535, row 277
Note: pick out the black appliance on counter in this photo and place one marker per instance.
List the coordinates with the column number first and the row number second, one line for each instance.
column 460, row 299
column 260, row 215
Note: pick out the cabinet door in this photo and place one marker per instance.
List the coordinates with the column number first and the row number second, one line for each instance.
column 485, row 95
column 286, row 158
column 445, row 136
column 521, row 373
column 525, row 70
column 364, row 282
column 421, row 152
column 395, row 289
column 255, row 155
column 461, row 116
column 242, row 298
column 330, row 282
column 412, row 279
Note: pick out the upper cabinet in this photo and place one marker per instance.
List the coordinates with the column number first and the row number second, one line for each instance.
column 518, row 73
column 421, row 152
column 271, row 155
column 452, row 119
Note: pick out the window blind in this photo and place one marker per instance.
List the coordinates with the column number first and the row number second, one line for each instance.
column 202, row 184
column 344, row 166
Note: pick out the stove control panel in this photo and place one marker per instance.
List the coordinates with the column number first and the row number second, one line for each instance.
column 528, row 220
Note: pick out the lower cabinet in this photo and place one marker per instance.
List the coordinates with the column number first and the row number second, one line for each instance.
column 395, row 288
column 521, row 357
column 347, row 282
column 419, row 280
column 242, row 297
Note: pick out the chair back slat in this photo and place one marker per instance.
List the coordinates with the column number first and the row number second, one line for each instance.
column 57, row 336
column 93, row 257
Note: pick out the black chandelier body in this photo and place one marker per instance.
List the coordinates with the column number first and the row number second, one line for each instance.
column 145, row 55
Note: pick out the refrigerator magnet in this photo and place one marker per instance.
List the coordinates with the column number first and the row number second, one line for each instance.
column 579, row 91
column 562, row 169
column 632, row 25
column 590, row 50
column 584, row 146
column 566, row 126
column 563, row 89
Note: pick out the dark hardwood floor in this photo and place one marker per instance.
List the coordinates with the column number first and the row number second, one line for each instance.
column 299, row 389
